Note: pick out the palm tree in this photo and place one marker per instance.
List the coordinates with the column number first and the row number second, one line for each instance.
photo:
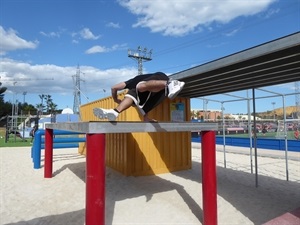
column 48, row 102
column 49, row 106
column 41, row 106
column 52, row 107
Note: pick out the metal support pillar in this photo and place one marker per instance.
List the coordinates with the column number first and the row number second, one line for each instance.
column 48, row 167
column 209, row 178
column 95, row 180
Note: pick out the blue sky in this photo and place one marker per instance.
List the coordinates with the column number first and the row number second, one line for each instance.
column 43, row 42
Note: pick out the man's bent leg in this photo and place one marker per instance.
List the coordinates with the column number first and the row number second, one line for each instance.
column 112, row 114
column 151, row 85
column 125, row 104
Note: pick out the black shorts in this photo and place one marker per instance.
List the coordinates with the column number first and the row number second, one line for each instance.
column 146, row 100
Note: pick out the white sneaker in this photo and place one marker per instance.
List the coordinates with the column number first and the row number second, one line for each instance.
column 174, row 87
column 109, row 114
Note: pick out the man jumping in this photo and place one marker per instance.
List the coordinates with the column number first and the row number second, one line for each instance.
column 144, row 91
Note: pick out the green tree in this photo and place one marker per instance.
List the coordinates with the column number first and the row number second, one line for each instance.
column 5, row 107
column 28, row 108
column 49, row 106
column 41, row 106
column 52, row 107
column 2, row 89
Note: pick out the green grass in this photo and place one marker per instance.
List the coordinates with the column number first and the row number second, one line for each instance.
column 12, row 141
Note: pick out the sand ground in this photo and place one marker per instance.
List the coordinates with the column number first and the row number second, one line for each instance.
column 165, row 199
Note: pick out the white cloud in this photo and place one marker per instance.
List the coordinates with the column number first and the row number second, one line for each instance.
column 177, row 18
column 97, row 49
column 232, row 32
column 103, row 49
column 10, row 41
column 271, row 12
column 49, row 78
column 50, row 34
column 57, row 81
column 113, row 25
column 85, row 33
column 119, row 47
column 75, row 41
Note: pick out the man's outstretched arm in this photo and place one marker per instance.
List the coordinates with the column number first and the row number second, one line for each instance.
column 115, row 89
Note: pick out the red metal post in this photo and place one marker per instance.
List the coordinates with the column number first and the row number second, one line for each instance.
column 48, row 153
column 209, row 178
column 95, row 179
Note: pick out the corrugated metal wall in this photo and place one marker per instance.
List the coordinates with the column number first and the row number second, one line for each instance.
column 137, row 154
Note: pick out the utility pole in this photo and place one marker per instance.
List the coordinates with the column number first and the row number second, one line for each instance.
column 24, row 93
column 77, row 97
column 141, row 55
column 14, row 111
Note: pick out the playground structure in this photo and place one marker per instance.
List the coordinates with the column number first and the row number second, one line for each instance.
column 68, row 139
column 21, row 125
column 96, row 166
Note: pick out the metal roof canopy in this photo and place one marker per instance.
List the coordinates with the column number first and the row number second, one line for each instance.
column 272, row 63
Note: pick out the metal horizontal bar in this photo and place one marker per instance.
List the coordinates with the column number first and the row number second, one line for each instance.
column 97, row 127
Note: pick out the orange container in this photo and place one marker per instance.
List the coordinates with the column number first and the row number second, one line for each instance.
column 139, row 154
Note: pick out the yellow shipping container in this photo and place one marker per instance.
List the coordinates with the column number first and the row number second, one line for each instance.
column 138, row 154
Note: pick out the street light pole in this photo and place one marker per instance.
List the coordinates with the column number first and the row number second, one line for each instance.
column 24, row 93
column 22, row 111
column 273, row 103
